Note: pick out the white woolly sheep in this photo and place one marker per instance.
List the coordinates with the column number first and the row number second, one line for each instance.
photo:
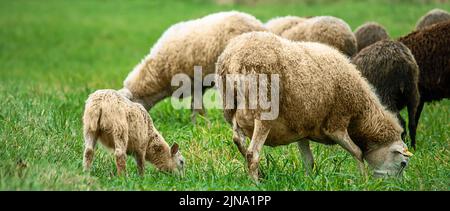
column 279, row 25
column 185, row 45
column 126, row 128
column 322, row 97
column 327, row 30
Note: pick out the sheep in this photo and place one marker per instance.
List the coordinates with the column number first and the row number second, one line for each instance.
column 430, row 47
column 322, row 97
column 126, row 127
column 391, row 68
column 279, row 25
column 184, row 45
column 324, row 29
column 369, row 33
column 432, row 17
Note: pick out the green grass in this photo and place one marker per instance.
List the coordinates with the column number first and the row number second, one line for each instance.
column 54, row 53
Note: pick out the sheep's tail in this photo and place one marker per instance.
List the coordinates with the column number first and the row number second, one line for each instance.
column 91, row 119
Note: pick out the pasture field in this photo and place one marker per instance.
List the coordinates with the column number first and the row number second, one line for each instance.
column 54, row 53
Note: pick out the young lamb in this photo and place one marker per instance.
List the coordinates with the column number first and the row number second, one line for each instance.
column 279, row 25
column 185, row 45
column 391, row 68
column 432, row 17
column 126, row 128
column 369, row 33
column 324, row 29
column 322, row 97
column 430, row 47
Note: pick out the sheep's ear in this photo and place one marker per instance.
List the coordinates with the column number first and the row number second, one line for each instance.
column 174, row 149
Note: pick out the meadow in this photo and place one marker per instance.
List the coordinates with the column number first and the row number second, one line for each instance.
column 54, row 53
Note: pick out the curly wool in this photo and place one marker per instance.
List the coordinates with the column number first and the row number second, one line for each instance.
column 430, row 48
column 327, row 30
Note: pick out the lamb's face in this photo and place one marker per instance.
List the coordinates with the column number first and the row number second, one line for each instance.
column 389, row 160
column 177, row 159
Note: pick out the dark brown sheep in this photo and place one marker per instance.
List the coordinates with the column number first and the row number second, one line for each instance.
column 431, row 50
column 391, row 68
column 369, row 33
column 432, row 17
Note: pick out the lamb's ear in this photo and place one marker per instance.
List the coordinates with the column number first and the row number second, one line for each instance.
column 174, row 149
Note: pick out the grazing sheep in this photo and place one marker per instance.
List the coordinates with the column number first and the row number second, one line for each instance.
column 324, row 29
column 322, row 97
column 391, row 68
column 432, row 17
column 369, row 33
column 279, row 25
column 430, row 47
column 126, row 128
column 185, row 45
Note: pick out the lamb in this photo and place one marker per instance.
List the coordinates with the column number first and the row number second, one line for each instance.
column 391, row 68
column 430, row 47
column 432, row 17
column 369, row 33
column 279, row 25
column 185, row 45
column 126, row 128
column 327, row 30
column 322, row 97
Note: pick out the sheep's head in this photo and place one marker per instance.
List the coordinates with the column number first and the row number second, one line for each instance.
column 177, row 159
column 389, row 160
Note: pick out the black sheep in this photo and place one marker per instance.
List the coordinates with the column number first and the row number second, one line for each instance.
column 431, row 49
column 390, row 67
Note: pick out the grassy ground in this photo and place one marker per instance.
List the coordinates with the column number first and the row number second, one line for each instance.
column 53, row 54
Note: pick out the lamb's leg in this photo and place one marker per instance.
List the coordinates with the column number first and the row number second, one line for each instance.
column 90, row 141
column 307, row 156
column 239, row 138
column 120, row 144
column 140, row 161
column 342, row 138
column 260, row 133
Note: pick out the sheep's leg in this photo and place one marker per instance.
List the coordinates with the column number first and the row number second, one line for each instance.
column 260, row 132
column 196, row 102
column 403, row 124
column 239, row 138
column 343, row 139
column 90, row 141
column 140, row 161
column 120, row 154
column 307, row 156
column 418, row 112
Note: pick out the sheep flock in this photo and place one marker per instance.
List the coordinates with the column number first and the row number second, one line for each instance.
column 323, row 83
